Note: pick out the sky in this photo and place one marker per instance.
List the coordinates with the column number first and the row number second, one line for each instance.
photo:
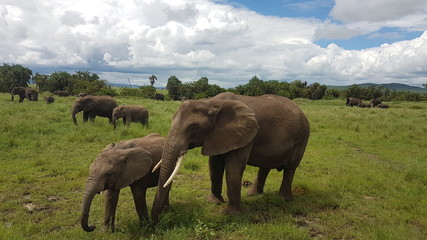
column 339, row 42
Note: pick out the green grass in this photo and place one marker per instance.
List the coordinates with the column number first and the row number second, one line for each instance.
column 363, row 177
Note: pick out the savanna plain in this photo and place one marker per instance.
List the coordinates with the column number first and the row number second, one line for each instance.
column 363, row 176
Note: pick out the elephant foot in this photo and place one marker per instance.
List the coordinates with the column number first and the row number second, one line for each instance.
column 217, row 200
column 254, row 192
column 233, row 210
column 287, row 197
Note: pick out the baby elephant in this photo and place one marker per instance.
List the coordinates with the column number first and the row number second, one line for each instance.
column 127, row 163
column 130, row 113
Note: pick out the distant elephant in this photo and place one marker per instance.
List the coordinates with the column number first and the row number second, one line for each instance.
column 269, row 132
column 375, row 102
column 24, row 92
column 61, row 93
column 127, row 163
column 159, row 97
column 353, row 102
column 383, row 105
column 93, row 106
column 364, row 105
column 83, row 94
column 49, row 99
column 130, row 113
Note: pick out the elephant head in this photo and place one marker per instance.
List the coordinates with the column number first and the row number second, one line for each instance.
column 18, row 91
column 116, row 167
column 119, row 112
column 82, row 104
column 218, row 126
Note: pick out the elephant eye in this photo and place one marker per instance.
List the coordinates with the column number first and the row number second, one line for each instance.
column 194, row 126
column 109, row 173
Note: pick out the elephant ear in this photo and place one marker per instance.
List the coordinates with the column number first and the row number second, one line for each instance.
column 109, row 147
column 235, row 126
column 89, row 104
column 136, row 164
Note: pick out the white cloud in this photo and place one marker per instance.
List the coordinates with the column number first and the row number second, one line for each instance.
column 377, row 11
column 190, row 39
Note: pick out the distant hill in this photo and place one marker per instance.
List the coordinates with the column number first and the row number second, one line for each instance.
column 391, row 86
column 123, row 85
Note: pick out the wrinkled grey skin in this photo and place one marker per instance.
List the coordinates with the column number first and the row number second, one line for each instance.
column 24, row 92
column 269, row 132
column 127, row 163
column 353, row 102
column 130, row 113
column 93, row 106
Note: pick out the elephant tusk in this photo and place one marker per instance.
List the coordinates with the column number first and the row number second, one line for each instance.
column 175, row 171
column 157, row 166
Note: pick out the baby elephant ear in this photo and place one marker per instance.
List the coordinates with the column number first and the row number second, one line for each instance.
column 136, row 164
column 235, row 126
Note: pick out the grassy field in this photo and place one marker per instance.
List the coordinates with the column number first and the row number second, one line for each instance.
column 364, row 176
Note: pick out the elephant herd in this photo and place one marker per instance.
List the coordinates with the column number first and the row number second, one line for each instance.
column 268, row 132
column 106, row 106
column 359, row 103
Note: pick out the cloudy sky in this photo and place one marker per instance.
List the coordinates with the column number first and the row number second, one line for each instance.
column 337, row 42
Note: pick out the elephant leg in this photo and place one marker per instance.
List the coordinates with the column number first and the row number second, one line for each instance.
column 235, row 165
column 289, row 171
column 286, row 186
column 124, row 121
column 21, row 98
column 128, row 120
column 216, row 171
column 258, row 185
column 92, row 117
column 139, row 194
column 111, row 199
column 85, row 116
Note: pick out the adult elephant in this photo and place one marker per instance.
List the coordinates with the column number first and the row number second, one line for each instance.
column 130, row 113
column 269, row 132
column 159, row 97
column 24, row 92
column 353, row 102
column 93, row 106
column 127, row 163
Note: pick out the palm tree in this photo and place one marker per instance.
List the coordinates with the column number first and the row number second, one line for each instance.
column 153, row 79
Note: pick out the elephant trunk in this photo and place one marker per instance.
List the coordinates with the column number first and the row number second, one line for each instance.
column 73, row 115
column 90, row 191
column 114, row 122
column 172, row 150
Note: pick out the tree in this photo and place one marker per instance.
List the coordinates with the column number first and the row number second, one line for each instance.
column 174, row 86
column 14, row 75
column 152, row 79
column 86, row 75
column 316, row 91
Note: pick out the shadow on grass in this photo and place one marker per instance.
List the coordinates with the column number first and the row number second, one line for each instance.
column 189, row 216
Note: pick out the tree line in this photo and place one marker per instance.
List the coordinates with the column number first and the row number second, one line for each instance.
column 14, row 75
